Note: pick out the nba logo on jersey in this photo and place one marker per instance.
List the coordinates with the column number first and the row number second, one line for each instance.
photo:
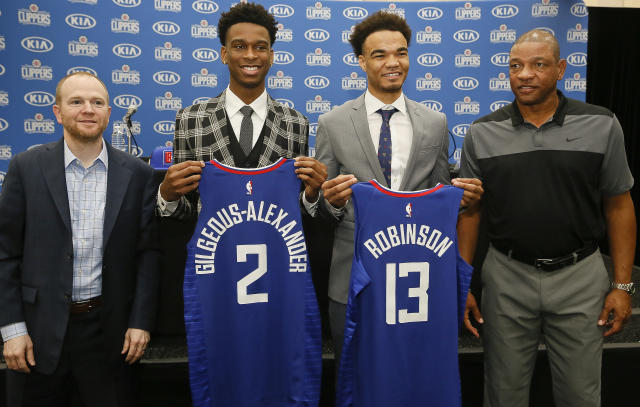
column 408, row 209
column 249, row 187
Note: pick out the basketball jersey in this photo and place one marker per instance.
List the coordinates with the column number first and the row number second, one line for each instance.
column 406, row 300
column 250, row 310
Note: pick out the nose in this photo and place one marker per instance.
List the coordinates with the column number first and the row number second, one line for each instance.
column 526, row 72
column 392, row 61
column 88, row 107
column 250, row 53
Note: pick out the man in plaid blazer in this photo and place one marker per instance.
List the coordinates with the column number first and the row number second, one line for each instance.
column 214, row 129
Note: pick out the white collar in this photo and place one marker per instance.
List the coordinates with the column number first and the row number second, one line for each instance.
column 69, row 156
column 233, row 104
column 373, row 104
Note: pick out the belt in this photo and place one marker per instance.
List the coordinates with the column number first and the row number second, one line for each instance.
column 81, row 307
column 551, row 264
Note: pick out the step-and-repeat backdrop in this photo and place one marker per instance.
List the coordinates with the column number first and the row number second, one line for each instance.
column 164, row 55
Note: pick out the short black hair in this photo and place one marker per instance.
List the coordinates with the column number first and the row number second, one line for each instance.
column 379, row 21
column 247, row 13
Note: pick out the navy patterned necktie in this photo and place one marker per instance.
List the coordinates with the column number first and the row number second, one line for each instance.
column 384, row 145
column 246, row 129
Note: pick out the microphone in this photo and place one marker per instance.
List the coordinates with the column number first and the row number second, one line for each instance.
column 132, row 109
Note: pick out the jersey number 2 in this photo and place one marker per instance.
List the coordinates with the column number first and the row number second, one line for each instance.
column 241, row 252
column 419, row 292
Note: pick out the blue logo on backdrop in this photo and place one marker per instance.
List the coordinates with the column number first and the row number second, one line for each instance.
column 316, row 82
column 3, row 124
column 281, row 10
column 127, row 3
column 579, row 10
column 577, row 59
column 282, row 57
column 124, row 101
column 36, row 44
column 166, row 28
column 201, row 99
column 355, row 13
column 466, row 36
column 288, row 103
column 2, row 70
column 460, row 130
column 430, row 13
column 465, row 83
column 166, row 78
column 350, row 59
column 80, row 21
column 81, row 69
column 316, row 35
column 504, row 11
column 39, row 98
column 498, row 104
column 429, row 59
column 127, row 50
column 168, row 5
column 205, row 6
column 433, row 105
column 500, row 59
column 205, row 54
column 165, row 127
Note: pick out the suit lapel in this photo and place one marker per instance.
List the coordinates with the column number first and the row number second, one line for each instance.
column 118, row 176
column 415, row 116
column 52, row 165
column 220, row 142
column 361, row 128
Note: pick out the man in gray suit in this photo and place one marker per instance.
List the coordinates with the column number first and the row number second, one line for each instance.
column 405, row 149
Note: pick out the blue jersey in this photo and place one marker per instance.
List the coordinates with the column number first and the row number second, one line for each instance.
column 406, row 300
column 250, row 310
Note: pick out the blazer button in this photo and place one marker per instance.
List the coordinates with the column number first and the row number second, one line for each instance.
column 68, row 257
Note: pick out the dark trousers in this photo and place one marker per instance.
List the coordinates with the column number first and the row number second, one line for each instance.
column 83, row 373
column 337, row 318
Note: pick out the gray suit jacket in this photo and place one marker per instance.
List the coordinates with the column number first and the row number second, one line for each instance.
column 343, row 143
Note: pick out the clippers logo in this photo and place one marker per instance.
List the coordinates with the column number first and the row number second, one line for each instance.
column 579, row 10
column 350, row 59
column 281, row 10
column 34, row 16
column 127, row 50
column 168, row 5
column 2, row 175
column 284, row 34
column 205, row 6
column 575, row 84
column 393, row 9
column 346, row 34
column 2, row 70
column 2, row 43
column 4, row 98
column 500, row 59
column 204, row 79
column 124, row 101
column 164, row 127
column 205, row 54
column 5, row 150
column 125, row 76
column 429, row 59
column 316, row 82
column 316, row 35
column 168, row 53
column 128, row 3
column 467, row 60
column 168, row 102
column 505, row 11
column 465, row 83
column 125, row 24
column 433, row 105
column 544, row 9
column 429, row 36
column 317, row 12
column 3, row 124
column 429, row 83
column 39, row 98
column 457, row 155
column 39, row 125
column 80, row 21
column 135, row 126
column 408, row 210
column 286, row 102
column 166, row 78
column 137, row 151
column 354, row 82
column 91, row 2
column 466, row 106
column 466, row 36
column 577, row 59
column 460, row 130
column 168, row 157
column 468, row 12
column 81, row 69
column 318, row 105
column 280, row 81
column 498, row 104
column 166, row 28
column 503, row 34
column 577, row 34
column 36, row 71
column 249, row 187
column 202, row 99
column 318, row 58
column 313, row 129
column 430, row 13
column 34, row 44
column 204, row 30
column 83, row 47
column 282, row 57
column 500, row 83
column 355, row 13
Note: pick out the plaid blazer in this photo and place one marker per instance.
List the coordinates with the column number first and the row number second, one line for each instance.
column 200, row 136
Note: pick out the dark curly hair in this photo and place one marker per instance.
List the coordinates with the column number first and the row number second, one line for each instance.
column 379, row 21
column 247, row 13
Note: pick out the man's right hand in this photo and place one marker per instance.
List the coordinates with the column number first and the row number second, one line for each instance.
column 18, row 352
column 181, row 179
column 337, row 191
column 472, row 308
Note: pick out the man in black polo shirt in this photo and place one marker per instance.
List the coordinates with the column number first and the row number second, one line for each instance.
column 556, row 178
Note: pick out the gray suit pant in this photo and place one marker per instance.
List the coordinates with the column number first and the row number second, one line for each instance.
column 521, row 303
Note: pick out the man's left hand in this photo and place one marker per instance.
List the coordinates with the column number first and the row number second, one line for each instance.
column 617, row 303
column 472, row 190
column 135, row 343
column 313, row 173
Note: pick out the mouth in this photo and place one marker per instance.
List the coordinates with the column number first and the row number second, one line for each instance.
column 526, row 88
column 250, row 68
column 392, row 75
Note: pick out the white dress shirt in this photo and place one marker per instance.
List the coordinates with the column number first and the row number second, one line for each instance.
column 233, row 104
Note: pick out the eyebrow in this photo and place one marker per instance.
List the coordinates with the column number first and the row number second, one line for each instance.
column 381, row 51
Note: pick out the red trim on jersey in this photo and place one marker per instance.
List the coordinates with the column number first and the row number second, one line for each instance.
column 404, row 194
column 250, row 171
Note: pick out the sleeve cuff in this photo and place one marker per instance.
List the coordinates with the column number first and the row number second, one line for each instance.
column 166, row 208
column 13, row 331
column 310, row 207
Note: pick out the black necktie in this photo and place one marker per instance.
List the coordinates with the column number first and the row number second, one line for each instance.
column 384, row 145
column 246, row 130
